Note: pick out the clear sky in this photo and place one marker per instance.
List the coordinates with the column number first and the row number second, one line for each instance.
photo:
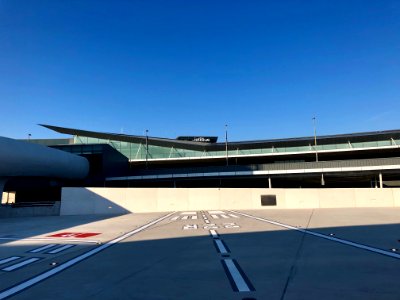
column 265, row 68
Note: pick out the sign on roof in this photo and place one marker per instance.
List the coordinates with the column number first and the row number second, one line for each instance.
column 200, row 139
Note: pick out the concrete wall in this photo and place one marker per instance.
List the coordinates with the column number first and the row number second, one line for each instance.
column 8, row 211
column 124, row 200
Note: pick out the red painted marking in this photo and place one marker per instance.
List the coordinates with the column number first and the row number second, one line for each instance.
column 80, row 235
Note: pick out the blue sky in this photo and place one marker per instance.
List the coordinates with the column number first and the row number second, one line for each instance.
column 265, row 68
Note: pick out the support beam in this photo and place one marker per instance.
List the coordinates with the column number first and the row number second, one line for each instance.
column 380, row 180
column 269, row 183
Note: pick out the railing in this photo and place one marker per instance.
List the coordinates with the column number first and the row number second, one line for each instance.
column 277, row 166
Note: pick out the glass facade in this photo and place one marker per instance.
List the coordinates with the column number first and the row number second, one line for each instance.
column 137, row 151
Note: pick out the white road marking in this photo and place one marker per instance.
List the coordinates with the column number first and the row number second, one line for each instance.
column 175, row 218
column 221, row 247
column 21, row 264
column 42, row 248
column 320, row 235
column 194, row 217
column 9, row 259
column 207, row 222
column 190, row 226
column 215, row 212
column 214, row 216
column 52, row 239
column 189, row 213
column 225, row 216
column 59, row 249
column 36, row 279
column 237, row 278
column 231, row 225
column 214, row 233
column 234, row 216
column 210, row 226
column 185, row 217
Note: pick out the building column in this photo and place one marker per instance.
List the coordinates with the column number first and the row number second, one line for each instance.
column 269, row 183
column 2, row 184
column 380, row 180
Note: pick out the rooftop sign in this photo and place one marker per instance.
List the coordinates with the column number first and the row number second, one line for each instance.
column 200, row 139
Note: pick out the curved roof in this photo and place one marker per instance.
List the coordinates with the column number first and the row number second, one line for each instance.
column 19, row 158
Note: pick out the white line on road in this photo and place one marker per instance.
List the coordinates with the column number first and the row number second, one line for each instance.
column 9, row 259
column 34, row 280
column 225, row 216
column 21, row 264
column 320, row 235
column 214, row 216
column 42, row 248
column 233, row 216
column 194, row 217
column 60, row 249
column 214, row 233
column 190, row 226
column 52, row 239
column 236, row 276
column 221, row 247
column 185, row 217
column 175, row 218
column 215, row 212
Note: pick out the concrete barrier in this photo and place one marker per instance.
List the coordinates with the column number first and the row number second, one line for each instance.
column 77, row 201
column 8, row 211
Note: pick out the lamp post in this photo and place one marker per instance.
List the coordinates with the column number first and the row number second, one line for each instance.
column 315, row 139
column 226, row 144
column 147, row 146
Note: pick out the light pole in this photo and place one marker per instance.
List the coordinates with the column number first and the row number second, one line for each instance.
column 315, row 139
column 147, row 146
column 226, row 144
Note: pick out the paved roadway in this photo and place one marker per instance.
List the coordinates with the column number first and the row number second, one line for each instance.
column 263, row 254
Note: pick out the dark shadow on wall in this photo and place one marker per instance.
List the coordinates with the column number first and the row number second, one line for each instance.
column 101, row 206
column 92, row 204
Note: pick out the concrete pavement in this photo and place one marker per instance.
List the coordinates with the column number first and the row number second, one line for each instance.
column 258, row 254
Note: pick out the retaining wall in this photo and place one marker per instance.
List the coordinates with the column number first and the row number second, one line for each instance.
column 8, row 211
column 77, row 201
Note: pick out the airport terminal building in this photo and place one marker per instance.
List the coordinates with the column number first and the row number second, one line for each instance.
column 366, row 159
column 357, row 160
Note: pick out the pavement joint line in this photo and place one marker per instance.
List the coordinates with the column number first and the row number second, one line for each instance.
column 19, row 287
column 323, row 236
